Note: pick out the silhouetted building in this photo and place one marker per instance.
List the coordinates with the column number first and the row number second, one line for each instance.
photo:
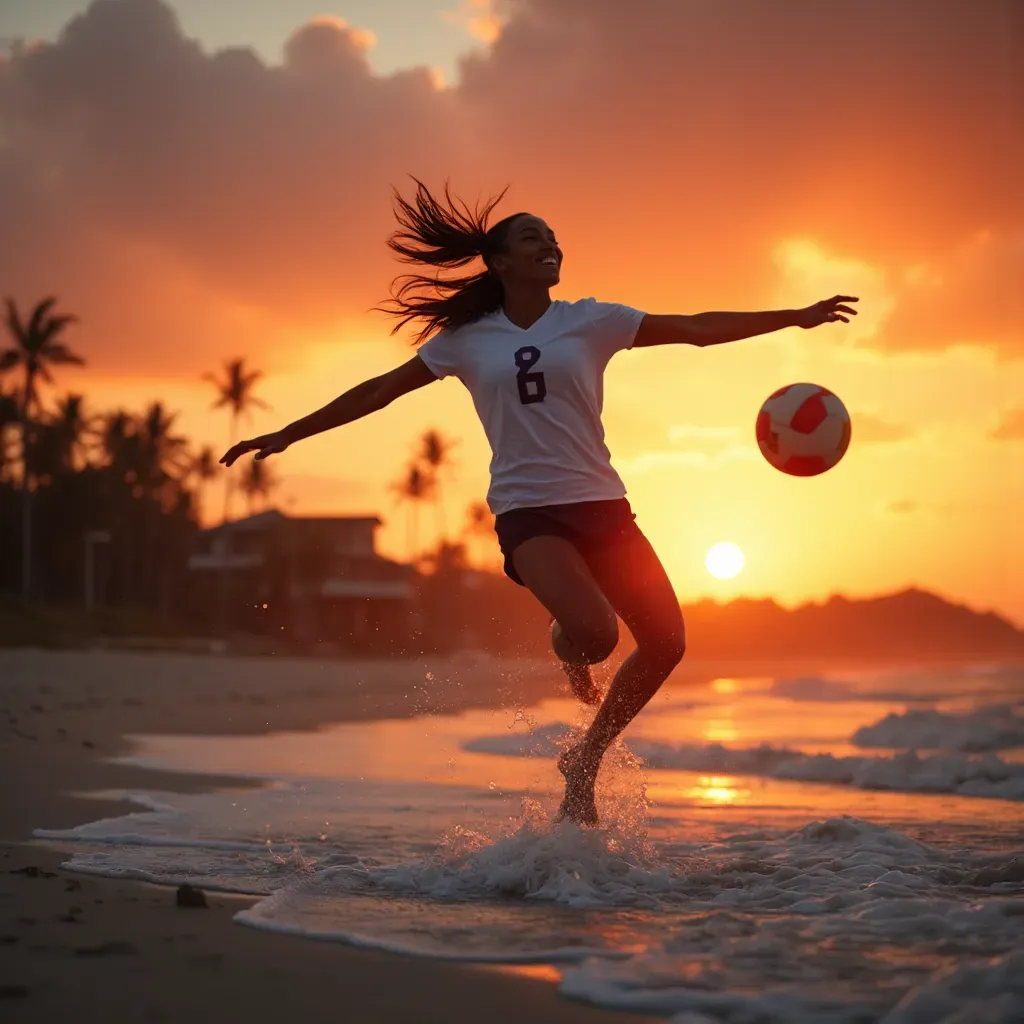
column 305, row 580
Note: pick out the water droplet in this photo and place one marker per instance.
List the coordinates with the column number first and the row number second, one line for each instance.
column 492, row 785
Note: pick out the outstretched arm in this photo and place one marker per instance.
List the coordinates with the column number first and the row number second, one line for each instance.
column 354, row 404
column 703, row 329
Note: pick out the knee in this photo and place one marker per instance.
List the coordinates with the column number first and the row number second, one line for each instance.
column 595, row 641
column 598, row 643
column 666, row 651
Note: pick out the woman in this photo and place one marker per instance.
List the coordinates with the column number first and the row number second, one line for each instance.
column 534, row 369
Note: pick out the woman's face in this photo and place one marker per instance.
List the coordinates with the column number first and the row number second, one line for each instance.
column 531, row 253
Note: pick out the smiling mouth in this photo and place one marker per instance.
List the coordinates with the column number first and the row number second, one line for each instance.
column 549, row 261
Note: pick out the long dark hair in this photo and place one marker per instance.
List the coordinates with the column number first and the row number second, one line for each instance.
column 447, row 235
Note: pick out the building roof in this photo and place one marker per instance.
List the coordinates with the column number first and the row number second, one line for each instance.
column 272, row 516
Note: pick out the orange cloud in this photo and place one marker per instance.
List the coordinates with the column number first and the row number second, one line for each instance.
column 689, row 433
column 184, row 202
column 329, row 44
column 871, row 429
column 1010, row 426
column 480, row 19
column 969, row 295
column 653, row 461
column 903, row 507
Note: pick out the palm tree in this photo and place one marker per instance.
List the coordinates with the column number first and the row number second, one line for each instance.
column 36, row 347
column 162, row 453
column 119, row 443
column 202, row 468
column 257, row 483
column 72, row 428
column 121, row 448
column 235, row 392
column 415, row 487
column 9, row 418
column 8, row 421
column 435, row 453
column 479, row 522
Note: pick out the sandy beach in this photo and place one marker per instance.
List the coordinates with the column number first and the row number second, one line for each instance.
column 77, row 946
column 74, row 947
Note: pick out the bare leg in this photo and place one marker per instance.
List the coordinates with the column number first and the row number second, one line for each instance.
column 585, row 630
column 637, row 586
column 576, row 669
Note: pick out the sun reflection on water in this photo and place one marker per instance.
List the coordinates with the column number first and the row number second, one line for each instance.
column 719, row 789
column 720, row 730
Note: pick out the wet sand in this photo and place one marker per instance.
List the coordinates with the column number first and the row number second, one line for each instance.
column 83, row 949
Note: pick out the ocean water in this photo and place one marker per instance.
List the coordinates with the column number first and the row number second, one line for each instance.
column 844, row 848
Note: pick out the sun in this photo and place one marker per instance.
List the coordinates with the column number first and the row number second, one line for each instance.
column 724, row 561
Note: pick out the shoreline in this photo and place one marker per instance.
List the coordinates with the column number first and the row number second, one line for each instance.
column 97, row 949
column 88, row 948
column 65, row 714
column 94, row 949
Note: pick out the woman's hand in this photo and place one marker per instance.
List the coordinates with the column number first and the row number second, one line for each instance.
column 264, row 445
column 826, row 312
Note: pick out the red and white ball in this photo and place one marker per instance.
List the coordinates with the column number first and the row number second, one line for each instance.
column 803, row 429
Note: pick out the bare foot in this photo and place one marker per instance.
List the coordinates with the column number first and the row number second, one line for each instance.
column 578, row 804
column 582, row 684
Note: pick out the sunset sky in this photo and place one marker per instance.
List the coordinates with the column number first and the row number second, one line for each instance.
column 201, row 180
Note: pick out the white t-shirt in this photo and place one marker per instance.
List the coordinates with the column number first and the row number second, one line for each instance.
column 539, row 395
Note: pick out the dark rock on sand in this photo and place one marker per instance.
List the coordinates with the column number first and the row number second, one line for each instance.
column 107, row 949
column 187, row 896
column 31, row 871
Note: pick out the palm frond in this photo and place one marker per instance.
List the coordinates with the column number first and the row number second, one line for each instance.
column 40, row 313
column 14, row 324
column 62, row 355
column 52, row 327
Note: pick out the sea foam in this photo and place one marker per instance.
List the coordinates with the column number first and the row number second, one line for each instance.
column 998, row 727
column 983, row 776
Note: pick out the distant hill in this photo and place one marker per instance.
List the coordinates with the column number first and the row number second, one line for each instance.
column 485, row 610
column 907, row 624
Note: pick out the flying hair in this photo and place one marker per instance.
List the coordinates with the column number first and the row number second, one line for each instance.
column 445, row 233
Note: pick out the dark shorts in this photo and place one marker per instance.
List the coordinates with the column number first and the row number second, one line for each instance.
column 587, row 525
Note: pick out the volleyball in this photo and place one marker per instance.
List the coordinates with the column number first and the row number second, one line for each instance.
column 803, row 429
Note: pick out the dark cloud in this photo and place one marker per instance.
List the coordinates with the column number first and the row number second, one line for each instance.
column 133, row 157
column 170, row 195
